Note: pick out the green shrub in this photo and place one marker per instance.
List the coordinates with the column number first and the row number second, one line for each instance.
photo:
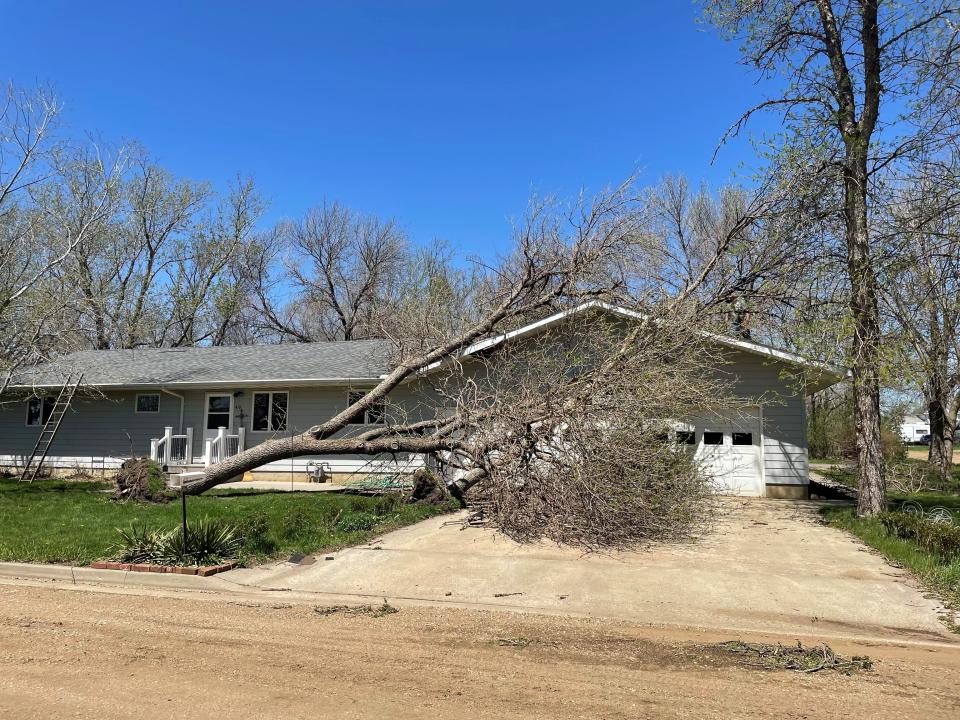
column 207, row 542
column 942, row 539
column 356, row 522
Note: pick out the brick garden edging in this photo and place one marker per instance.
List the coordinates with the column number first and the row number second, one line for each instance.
column 202, row 571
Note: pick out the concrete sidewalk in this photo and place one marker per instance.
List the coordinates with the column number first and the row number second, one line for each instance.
column 282, row 486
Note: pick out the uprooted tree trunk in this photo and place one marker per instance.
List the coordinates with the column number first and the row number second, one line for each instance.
column 138, row 481
column 428, row 489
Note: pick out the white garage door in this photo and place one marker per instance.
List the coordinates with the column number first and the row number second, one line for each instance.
column 729, row 448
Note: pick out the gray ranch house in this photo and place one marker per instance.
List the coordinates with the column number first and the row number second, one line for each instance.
column 190, row 407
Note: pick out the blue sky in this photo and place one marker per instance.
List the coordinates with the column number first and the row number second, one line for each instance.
column 445, row 115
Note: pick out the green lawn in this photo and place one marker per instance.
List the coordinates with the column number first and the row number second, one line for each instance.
column 75, row 522
column 941, row 577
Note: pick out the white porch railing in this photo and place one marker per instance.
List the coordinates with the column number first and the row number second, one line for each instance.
column 223, row 446
column 172, row 449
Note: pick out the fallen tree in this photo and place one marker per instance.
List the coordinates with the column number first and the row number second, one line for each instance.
column 557, row 425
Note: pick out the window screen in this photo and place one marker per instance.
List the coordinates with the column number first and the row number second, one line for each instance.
column 148, row 403
column 218, row 412
column 278, row 411
column 269, row 411
column 686, row 437
column 712, row 438
column 742, row 438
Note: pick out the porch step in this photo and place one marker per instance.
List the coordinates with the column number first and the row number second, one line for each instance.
column 177, row 479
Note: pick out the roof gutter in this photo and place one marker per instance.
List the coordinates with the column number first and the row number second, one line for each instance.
column 222, row 384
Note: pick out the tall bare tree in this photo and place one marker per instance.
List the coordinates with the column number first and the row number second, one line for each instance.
column 762, row 270
column 47, row 215
column 122, row 275
column 209, row 290
column 339, row 269
column 855, row 76
column 159, row 270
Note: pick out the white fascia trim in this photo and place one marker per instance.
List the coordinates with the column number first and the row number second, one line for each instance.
column 503, row 337
column 838, row 373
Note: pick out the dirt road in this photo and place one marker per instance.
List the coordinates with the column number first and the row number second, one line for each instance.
column 85, row 653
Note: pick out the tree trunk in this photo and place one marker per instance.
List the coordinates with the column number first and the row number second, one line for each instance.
column 950, row 420
column 865, row 312
column 940, row 454
column 307, row 444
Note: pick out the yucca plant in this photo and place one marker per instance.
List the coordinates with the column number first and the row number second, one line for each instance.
column 207, row 542
column 139, row 544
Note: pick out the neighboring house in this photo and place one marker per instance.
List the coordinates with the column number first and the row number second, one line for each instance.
column 913, row 428
column 193, row 406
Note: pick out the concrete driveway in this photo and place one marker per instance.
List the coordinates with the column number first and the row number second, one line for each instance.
column 767, row 566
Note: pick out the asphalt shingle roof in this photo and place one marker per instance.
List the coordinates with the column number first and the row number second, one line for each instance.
column 319, row 362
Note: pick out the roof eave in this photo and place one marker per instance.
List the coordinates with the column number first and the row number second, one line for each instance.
column 819, row 375
column 217, row 384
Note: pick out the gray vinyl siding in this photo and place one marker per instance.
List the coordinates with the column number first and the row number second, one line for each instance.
column 106, row 425
column 784, row 423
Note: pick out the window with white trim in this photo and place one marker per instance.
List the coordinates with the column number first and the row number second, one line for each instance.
column 39, row 410
column 148, row 403
column 376, row 414
column 269, row 411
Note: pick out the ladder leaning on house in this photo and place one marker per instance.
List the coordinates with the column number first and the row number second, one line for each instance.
column 50, row 427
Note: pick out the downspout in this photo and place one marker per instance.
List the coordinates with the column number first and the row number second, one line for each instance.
column 181, row 398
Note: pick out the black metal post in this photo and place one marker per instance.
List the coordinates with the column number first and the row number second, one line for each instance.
column 183, row 506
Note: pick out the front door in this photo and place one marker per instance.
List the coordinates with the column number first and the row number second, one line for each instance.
column 219, row 414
